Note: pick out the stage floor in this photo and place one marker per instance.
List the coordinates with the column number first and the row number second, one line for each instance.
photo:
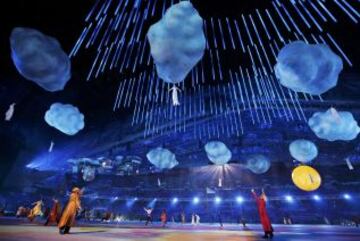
column 204, row 232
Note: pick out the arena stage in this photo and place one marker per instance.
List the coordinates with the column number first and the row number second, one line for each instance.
column 22, row 231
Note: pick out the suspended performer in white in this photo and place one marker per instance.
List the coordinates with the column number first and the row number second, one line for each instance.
column 174, row 95
column 10, row 112
column 177, row 44
column 51, row 147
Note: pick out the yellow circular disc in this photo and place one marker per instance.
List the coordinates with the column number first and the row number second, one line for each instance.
column 306, row 178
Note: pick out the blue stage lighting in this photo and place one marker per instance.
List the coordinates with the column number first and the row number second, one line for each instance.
column 289, row 198
column 239, row 199
column 196, row 200
column 316, row 197
column 152, row 203
column 346, row 196
column 175, row 200
column 217, row 200
column 131, row 202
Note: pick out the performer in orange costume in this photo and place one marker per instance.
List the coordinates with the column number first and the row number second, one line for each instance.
column 55, row 213
column 163, row 218
column 67, row 219
column 264, row 218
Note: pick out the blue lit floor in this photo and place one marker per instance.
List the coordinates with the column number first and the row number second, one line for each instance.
column 23, row 231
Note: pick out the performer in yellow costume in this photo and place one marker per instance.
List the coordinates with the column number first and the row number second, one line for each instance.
column 36, row 210
column 67, row 219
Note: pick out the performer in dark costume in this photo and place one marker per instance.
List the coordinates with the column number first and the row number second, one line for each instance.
column 264, row 218
column 67, row 219
column 182, row 217
column 54, row 215
column 163, row 218
column 219, row 217
column 148, row 212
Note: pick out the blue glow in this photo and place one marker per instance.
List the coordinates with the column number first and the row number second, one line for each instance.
column 217, row 200
column 347, row 196
column 239, row 199
column 175, row 200
column 50, row 161
column 152, row 203
column 314, row 71
column 289, row 198
column 39, row 58
column 131, row 202
column 196, row 200
column 177, row 42
column 316, row 197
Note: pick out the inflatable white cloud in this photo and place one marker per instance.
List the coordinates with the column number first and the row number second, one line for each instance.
column 162, row 158
column 88, row 174
column 66, row 118
column 39, row 58
column 303, row 150
column 177, row 42
column 312, row 69
column 334, row 126
column 258, row 164
column 218, row 153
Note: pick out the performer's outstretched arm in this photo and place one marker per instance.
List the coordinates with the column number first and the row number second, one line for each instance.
column 264, row 195
column 254, row 194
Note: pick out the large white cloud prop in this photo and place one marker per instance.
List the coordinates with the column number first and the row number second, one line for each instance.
column 177, row 42
column 334, row 126
column 39, row 58
column 66, row 118
column 312, row 69
column 218, row 153
column 162, row 158
column 303, row 150
column 258, row 164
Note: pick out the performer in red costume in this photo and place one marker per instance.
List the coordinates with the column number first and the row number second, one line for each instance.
column 55, row 213
column 264, row 218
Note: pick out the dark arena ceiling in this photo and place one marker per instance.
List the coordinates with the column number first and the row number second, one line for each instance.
column 232, row 95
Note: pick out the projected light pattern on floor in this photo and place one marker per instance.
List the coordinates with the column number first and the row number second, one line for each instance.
column 216, row 95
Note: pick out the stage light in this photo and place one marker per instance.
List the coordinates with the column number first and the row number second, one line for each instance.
column 239, row 199
column 152, row 203
column 316, row 197
column 175, row 200
column 346, row 196
column 196, row 200
column 289, row 198
column 217, row 200
column 130, row 202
